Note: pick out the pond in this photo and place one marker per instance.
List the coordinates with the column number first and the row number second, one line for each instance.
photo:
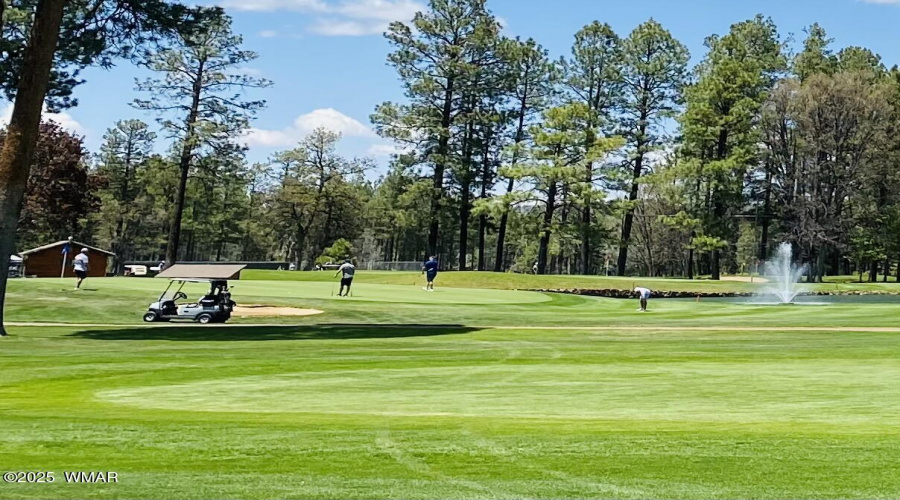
column 770, row 300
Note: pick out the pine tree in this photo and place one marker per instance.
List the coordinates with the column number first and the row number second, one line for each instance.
column 435, row 56
column 41, row 46
column 315, row 193
column 202, row 87
column 719, row 123
column 816, row 57
column 556, row 165
column 123, row 155
column 654, row 72
column 532, row 80
column 593, row 77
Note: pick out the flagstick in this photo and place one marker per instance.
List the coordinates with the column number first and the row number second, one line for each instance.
column 66, row 249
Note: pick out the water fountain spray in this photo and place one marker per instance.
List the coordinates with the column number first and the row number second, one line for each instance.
column 784, row 274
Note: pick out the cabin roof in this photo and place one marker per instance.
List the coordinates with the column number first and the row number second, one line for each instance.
column 76, row 247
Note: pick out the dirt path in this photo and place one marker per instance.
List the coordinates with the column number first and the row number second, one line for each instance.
column 745, row 279
column 641, row 328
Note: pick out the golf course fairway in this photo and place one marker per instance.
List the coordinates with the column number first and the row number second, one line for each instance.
column 463, row 393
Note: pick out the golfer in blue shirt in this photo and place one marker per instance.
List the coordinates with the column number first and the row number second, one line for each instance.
column 430, row 269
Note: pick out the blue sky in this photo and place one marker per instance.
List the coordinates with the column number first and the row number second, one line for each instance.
column 327, row 57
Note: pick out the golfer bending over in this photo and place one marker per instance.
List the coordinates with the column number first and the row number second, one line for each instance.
column 431, row 270
column 81, row 264
column 347, row 271
column 644, row 294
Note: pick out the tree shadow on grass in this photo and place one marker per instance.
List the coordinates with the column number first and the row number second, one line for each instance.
column 190, row 333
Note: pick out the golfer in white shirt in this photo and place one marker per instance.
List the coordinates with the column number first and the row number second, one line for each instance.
column 644, row 294
column 81, row 264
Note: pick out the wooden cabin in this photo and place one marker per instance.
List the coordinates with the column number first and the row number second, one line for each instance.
column 47, row 261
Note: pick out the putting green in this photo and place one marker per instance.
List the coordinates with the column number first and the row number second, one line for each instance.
column 757, row 392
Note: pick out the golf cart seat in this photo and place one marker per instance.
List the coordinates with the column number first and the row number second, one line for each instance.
column 209, row 301
column 168, row 307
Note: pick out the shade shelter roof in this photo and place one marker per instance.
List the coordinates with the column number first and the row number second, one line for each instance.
column 203, row 271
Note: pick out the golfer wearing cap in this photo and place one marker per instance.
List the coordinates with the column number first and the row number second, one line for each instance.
column 81, row 265
column 347, row 270
column 644, row 294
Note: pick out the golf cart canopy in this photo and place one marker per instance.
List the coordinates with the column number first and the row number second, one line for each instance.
column 202, row 272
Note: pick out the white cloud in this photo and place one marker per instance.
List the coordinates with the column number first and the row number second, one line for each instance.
column 268, row 33
column 383, row 10
column 385, row 150
column 270, row 5
column 337, row 27
column 338, row 18
column 247, row 71
column 328, row 118
column 65, row 120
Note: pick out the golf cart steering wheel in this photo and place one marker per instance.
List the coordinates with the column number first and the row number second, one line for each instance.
column 180, row 295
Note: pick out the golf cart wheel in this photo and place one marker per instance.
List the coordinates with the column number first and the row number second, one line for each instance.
column 204, row 319
column 150, row 316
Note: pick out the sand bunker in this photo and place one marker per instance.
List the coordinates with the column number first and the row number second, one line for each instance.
column 251, row 311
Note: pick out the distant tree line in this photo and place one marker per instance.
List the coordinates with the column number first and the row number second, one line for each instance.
column 618, row 158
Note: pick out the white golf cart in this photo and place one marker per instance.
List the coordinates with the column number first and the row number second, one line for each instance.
column 16, row 267
column 215, row 306
column 134, row 270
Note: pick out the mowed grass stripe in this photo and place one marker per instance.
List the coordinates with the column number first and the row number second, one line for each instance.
column 723, row 391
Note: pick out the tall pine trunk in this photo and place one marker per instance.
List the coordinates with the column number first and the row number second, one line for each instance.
column 465, row 210
column 121, row 245
column 719, row 205
column 544, row 247
column 690, row 264
column 300, row 245
column 586, row 216
column 486, row 179
column 504, row 219
column 898, row 269
column 628, row 223
column 501, row 232
column 24, row 125
column 482, row 234
column 440, row 164
column 184, row 166
column 465, row 198
column 821, row 258
column 767, row 207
